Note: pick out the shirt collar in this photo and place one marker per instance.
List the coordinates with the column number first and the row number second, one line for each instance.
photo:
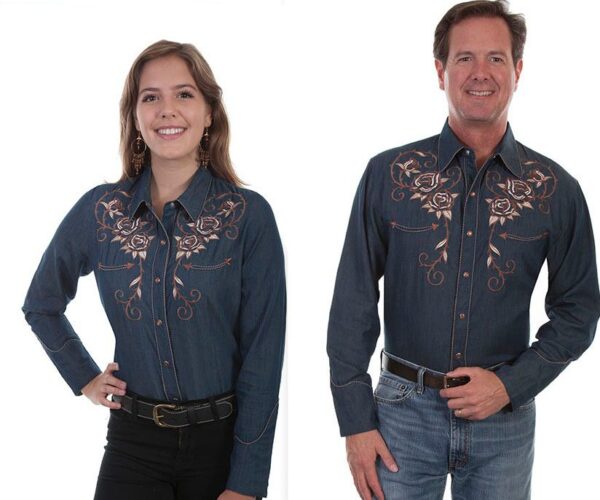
column 192, row 199
column 449, row 146
column 141, row 191
column 508, row 152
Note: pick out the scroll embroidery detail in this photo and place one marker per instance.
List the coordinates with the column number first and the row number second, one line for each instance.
column 220, row 216
column 134, row 236
column 512, row 198
column 415, row 173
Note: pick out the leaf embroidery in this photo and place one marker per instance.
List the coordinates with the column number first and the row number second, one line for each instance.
column 220, row 217
column 134, row 235
column 513, row 198
column 415, row 173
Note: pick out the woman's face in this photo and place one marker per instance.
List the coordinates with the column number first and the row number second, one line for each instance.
column 171, row 112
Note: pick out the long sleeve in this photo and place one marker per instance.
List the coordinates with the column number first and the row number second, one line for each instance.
column 572, row 306
column 354, row 323
column 261, row 344
column 53, row 286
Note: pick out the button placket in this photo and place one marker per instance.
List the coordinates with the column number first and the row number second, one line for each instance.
column 464, row 286
column 159, row 310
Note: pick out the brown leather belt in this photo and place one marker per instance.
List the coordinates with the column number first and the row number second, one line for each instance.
column 429, row 379
column 178, row 415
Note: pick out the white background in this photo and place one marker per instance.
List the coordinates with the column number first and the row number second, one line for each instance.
column 313, row 90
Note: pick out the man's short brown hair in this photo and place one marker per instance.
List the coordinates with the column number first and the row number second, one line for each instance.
column 480, row 8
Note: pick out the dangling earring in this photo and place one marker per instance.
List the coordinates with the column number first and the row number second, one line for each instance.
column 139, row 153
column 203, row 153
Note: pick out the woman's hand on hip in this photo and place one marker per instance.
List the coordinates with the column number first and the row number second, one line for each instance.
column 232, row 495
column 98, row 389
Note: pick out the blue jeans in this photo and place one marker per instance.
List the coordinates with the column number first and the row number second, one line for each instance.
column 489, row 459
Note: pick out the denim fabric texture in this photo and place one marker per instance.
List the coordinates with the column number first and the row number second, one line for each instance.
column 461, row 249
column 489, row 459
column 196, row 301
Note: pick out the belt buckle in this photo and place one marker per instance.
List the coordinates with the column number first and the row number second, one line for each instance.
column 157, row 417
column 450, row 382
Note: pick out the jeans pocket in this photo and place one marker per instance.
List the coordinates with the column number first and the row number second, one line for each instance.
column 393, row 390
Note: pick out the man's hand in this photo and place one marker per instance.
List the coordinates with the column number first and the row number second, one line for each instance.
column 481, row 397
column 362, row 450
column 232, row 495
column 98, row 389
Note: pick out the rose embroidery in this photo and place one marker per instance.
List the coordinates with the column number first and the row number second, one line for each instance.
column 415, row 172
column 436, row 192
column 220, row 215
column 135, row 236
column 135, row 242
column 501, row 209
column 125, row 227
column 207, row 225
column 426, row 183
column 518, row 190
column 513, row 198
column 137, row 245
column 187, row 245
column 441, row 203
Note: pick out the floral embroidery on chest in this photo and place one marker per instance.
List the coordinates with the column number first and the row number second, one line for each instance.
column 220, row 217
column 510, row 199
column 134, row 235
column 416, row 173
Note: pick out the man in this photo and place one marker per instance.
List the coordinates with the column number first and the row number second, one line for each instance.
column 460, row 225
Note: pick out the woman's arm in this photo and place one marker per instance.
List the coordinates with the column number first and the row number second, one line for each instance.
column 53, row 286
column 261, row 343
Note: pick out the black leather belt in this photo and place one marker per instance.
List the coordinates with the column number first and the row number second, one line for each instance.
column 429, row 379
column 179, row 415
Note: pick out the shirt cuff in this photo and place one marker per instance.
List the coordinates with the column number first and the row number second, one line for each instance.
column 74, row 364
column 355, row 407
column 251, row 461
column 528, row 376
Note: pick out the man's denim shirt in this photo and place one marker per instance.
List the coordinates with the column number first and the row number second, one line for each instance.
column 461, row 251
column 196, row 302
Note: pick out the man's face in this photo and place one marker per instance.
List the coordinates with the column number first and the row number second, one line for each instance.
column 480, row 76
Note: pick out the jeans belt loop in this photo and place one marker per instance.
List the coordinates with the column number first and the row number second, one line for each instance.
column 134, row 406
column 420, row 385
column 214, row 409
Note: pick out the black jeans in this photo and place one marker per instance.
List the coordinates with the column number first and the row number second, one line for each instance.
column 145, row 462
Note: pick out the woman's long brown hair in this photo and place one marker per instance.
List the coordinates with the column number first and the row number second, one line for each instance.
column 220, row 163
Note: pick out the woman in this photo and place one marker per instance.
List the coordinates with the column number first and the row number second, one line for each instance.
column 190, row 271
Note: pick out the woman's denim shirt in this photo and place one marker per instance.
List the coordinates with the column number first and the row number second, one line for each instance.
column 196, row 301
column 461, row 249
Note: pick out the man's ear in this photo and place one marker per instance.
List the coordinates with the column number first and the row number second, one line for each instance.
column 518, row 69
column 439, row 69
